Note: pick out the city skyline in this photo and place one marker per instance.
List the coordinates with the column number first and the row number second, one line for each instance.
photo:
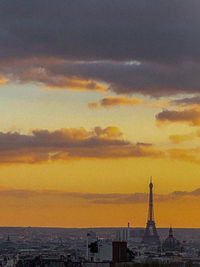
column 96, row 97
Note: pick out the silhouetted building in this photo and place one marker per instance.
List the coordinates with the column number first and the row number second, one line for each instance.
column 91, row 246
column 123, row 234
column 119, row 250
column 170, row 243
column 151, row 235
column 7, row 245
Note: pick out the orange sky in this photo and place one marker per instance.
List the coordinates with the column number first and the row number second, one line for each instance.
column 21, row 206
column 95, row 99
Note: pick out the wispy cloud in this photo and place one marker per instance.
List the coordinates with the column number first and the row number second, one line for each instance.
column 187, row 101
column 110, row 101
column 191, row 155
column 99, row 198
column 179, row 138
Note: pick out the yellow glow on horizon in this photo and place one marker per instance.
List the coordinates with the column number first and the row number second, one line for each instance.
column 99, row 176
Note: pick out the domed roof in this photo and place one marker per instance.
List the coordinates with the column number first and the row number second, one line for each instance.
column 171, row 243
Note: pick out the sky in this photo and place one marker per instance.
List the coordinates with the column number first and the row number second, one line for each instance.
column 96, row 97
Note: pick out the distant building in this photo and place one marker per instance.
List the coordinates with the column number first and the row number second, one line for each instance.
column 119, row 251
column 123, row 234
column 91, row 246
column 104, row 250
column 8, row 245
column 98, row 250
column 170, row 243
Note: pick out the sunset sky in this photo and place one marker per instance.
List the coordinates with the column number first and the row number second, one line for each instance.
column 96, row 96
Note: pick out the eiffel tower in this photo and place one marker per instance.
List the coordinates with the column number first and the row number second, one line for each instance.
column 151, row 235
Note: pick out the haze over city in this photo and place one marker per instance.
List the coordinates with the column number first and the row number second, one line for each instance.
column 96, row 97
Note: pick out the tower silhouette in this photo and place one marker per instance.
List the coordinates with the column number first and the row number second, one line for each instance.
column 151, row 235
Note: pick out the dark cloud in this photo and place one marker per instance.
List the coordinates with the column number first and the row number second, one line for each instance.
column 91, row 29
column 121, row 77
column 191, row 116
column 77, row 44
column 145, row 78
column 64, row 144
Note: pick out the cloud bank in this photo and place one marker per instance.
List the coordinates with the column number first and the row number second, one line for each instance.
column 43, row 146
column 64, row 144
column 126, row 47
column 165, row 31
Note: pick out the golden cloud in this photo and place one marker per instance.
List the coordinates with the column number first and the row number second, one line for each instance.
column 188, row 155
column 75, row 84
column 42, row 146
column 64, row 144
column 179, row 138
column 116, row 101
column 111, row 101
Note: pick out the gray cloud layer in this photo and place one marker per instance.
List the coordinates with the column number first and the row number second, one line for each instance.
column 121, row 77
column 118, row 30
column 86, row 39
column 146, row 78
